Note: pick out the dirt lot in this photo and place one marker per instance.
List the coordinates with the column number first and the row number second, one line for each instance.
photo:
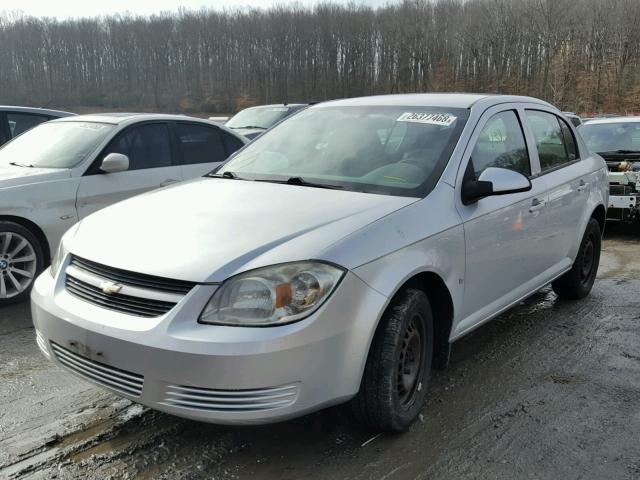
column 549, row 390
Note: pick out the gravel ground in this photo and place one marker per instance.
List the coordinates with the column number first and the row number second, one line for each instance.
column 548, row 390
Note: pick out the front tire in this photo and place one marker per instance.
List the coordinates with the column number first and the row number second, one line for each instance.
column 21, row 260
column 396, row 376
column 577, row 282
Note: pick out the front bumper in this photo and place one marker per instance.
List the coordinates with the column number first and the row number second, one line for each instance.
column 218, row 374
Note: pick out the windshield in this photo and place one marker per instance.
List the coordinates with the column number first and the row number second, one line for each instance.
column 390, row 150
column 262, row 117
column 609, row 137
column 55, row 144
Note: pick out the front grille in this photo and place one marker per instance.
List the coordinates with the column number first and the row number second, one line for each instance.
column 620, row 190
column 208, row 399
column 132, row 279
column 141, row 307
column 110, row 377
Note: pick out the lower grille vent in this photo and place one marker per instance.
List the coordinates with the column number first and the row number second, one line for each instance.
column 230, row 400
column 110, row 377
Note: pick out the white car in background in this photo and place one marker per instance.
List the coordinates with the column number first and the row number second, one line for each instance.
column 61, row 171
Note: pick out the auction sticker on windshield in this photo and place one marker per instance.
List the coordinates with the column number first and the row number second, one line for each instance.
column 444, row 119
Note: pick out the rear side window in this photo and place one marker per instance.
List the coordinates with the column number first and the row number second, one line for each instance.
column 147, row 146
column 21, row 122
column 569, row 141
column 501, row 144
column 200, row 144
column 554, row 140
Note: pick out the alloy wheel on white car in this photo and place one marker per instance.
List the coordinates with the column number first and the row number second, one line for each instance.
column 18, row 264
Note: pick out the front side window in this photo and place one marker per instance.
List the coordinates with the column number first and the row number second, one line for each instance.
column 55, row 144
column 21, row 122
column 147, row 146
column 199, row 144
column 388, row 150
column 501, row 144
column 553, row 148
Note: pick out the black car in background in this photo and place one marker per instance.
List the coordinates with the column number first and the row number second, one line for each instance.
column 252, row 122
column 17, row 120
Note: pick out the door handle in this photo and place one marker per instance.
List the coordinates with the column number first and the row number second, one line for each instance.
column 583, row 185
column 168, row 181
column 537, row 205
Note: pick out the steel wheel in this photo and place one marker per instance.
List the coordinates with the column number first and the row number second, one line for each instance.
column 18, row 264
column 410, row 363
column 588, row 259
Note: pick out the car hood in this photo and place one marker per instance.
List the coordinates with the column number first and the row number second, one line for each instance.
column 11, row 176
column 207, row 229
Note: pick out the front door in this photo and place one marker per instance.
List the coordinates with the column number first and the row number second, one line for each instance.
column 504, row 234
column 151, row 166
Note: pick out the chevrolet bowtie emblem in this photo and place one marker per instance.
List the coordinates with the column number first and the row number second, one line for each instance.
column 110, row 288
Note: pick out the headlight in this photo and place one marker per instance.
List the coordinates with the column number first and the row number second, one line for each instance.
column 273, row 295
column 61, row 252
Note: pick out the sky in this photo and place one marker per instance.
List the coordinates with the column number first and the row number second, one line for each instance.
column 90, row 8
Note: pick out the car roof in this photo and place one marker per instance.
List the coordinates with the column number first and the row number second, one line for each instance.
column 609, row 120
column 124, row 119
column 35, row 110
column 447, row 100
column 276, row 105
column 121, row 118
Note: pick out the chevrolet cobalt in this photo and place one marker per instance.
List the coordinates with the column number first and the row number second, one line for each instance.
column 336, row 258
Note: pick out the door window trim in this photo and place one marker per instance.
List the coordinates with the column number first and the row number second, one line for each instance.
column 487, row 115
column 542, row 173
column 94, row 168
column 179, row 160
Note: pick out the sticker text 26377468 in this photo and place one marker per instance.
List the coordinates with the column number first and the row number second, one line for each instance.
column 443, row 119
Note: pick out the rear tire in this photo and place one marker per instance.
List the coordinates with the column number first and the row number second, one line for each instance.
column 578, row 281
column 21, row 260
column 395, row 380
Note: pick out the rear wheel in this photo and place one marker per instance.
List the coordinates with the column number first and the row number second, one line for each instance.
column 578, row 281
column 394, row 384
column 21, row 260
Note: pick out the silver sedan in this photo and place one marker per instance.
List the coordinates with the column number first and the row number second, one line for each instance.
column 334, row 259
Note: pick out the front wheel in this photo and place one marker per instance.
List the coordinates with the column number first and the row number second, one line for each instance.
column 395, row 380
column 21, row 260
column 578, row 281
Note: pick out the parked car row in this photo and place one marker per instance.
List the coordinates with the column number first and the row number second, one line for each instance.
column 334, row 258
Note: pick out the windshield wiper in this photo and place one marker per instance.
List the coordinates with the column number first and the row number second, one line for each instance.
column 249, row 126
column 620, row 152
column 302, row 182
column 16, row 164
column 227, row 174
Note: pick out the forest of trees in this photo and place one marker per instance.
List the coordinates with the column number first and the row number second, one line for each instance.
column 582, row 55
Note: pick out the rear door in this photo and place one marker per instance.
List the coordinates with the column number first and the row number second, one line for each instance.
column 151, row 165
column 201, row 148
column 504, row 234
column 567, row 182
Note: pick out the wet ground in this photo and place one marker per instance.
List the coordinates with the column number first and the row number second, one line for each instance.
column 549, row 390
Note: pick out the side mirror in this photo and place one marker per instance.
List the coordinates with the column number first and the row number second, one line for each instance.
column 494, row 181
column 115, row 162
